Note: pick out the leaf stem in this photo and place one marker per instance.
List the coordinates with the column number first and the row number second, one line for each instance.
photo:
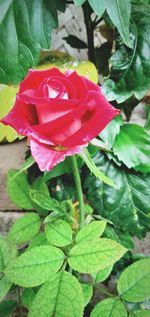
column 77, row 179
column 19, row 301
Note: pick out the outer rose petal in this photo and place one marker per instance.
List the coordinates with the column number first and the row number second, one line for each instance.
column 46, row 157
column 21, row 117
column 79, row 84
column 103, row 113
column 35, row 77
column 90, row 85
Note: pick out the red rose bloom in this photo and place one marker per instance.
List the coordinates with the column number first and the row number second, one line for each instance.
column 59, row 113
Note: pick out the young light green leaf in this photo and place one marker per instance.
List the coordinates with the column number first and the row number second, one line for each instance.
column 91, row 256
column 87, row 290
column 18, row 189
column 91, row 231
column 34, row 267
column 60, row 296
column 25, row 228
column 92, row 167
column 133, row 283
column 8, row 252
column 7, row 307
column 58, row 233
column 39, row 240
column 111, row 307
column 140, row 313
column 119, row 12
column 101, row 275
column 5, row 286
column 48, row 203
column 28, row 163
column 132, row 147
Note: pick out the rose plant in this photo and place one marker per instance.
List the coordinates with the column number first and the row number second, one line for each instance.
column 84, row 185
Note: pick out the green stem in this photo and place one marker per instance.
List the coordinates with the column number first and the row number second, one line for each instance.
column 77, row 179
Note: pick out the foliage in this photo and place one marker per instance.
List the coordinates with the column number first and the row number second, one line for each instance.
column 54, row 261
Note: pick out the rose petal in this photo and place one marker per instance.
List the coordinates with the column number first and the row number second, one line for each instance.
column 21, row 117
column 101, row 114
column 53, row 129
column 46, row 157
column 35, row 77
column 79, row 83
column 90, row 85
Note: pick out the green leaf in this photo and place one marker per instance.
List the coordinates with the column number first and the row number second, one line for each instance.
column 60, row 296
column 8, row 253
column 132, row 147
column 22, row 38
column 140, row 313
column 79, row 2
column 4, row 6
column 18, row 189
column 91, row 231
column 39, row 240
column 58, row 232
column 92, row 167
column 119, row 12
column 75, row 42
column 91, row 256
column 5, row 286
column 28, row 297
column 109, row 134
column 7, row 307
column 25, row 228
column 111, row 307
column 131, row 66
column 102, row 275
column 133, row 283
column 127, row 206
column 35, row 266
column 28, row 163
column 47, row 203
column 87, row 290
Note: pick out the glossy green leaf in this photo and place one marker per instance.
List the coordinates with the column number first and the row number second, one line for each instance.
column 111, row 307
column 87, row 290
column 22, row 38
column 132, row 67
column 133, row 283
column 109, row 134
column 132, row 147
column 79, row 2
column 92, row 167
column 4, row 6
column 91, row 256
column 127, row 206
column 102, row 275
column 119, row 12
column 58, row 232
column 91, row 231
column 25, row 228
column 7, row 307
column 60, row 296
column 5, row 286
column 140, row 313
column 35, row 266
column 8, row 252
column 18, row 189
